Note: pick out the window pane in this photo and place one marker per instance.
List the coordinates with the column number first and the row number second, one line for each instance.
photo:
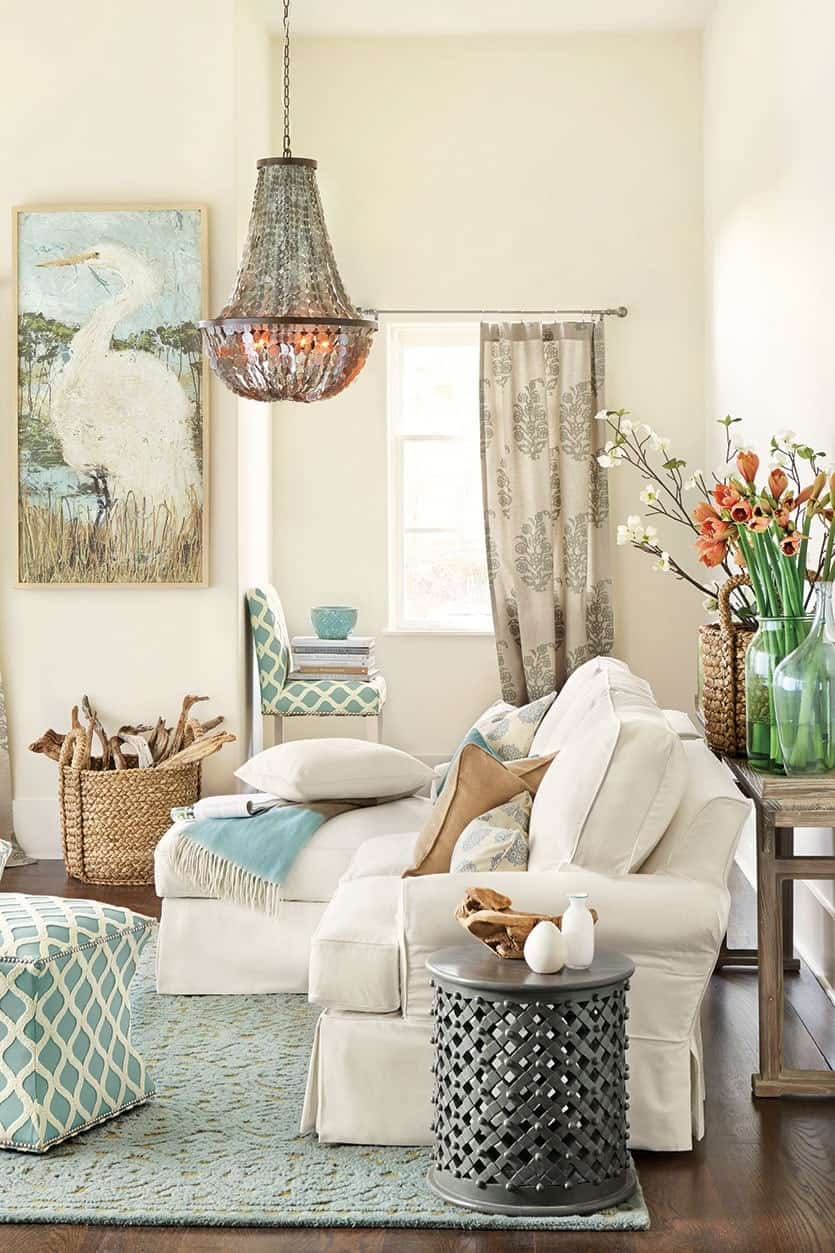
column 445, row 582
column 437, row 371
column 442, row 485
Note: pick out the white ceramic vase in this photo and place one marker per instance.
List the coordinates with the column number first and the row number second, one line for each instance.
column 578, row 932
column 544, row 949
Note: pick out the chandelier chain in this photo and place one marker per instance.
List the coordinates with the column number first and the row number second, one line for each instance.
column 286, row 152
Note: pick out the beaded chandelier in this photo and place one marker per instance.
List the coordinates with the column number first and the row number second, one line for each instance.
column 289, row 331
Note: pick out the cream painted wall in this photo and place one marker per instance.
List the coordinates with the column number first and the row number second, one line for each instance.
column 770, row 263
column 470, row 172
column 134, row 104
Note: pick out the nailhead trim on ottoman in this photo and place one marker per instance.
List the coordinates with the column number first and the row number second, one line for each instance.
column 66, row 1056
column 530, row 1085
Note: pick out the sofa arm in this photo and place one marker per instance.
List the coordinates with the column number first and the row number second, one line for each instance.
column 662, row 921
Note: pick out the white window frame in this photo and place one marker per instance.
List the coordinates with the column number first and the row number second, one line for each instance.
column 398, row 623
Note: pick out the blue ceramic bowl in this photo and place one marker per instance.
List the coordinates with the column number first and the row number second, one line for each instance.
column 333, row 622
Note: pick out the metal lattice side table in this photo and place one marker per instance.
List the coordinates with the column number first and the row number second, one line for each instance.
column 530, row 1085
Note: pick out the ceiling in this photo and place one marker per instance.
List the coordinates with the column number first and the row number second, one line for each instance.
column 467, row 17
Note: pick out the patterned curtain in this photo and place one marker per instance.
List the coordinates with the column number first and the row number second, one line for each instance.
column 546, row 505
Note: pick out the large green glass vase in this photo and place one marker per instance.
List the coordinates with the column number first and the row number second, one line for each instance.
column 774, row 640
column 804, row 695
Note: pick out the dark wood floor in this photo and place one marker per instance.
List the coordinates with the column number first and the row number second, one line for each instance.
column 762, row 1179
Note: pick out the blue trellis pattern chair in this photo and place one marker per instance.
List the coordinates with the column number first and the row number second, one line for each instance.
column 302, row 698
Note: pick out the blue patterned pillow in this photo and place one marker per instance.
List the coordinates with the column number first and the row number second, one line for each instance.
column 497, row 840
column 509, row 730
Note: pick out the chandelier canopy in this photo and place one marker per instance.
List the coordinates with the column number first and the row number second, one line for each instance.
column 289, row 331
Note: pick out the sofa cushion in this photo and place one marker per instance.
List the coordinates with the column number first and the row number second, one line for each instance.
column 560, row 723
column 701, row 840
column 476, row 783
column 615, row 783
column 334, row 769
column 324, row 859
column 383, row 855
column 353, row 954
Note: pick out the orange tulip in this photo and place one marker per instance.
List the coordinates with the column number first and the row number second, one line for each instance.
column 790, row 544
column 741, row 511
column 738, row 557
column 703, row 512
column 748, row 463
column 813, row 490
column 725, row 495
column 716, row 528
column 777, row 483
column 712, row 552
column 759, row 522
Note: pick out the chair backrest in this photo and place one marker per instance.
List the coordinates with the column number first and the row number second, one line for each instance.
column 272, row 643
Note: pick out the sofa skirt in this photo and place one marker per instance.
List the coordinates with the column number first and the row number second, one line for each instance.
column 370, row 1082
column 211, row 947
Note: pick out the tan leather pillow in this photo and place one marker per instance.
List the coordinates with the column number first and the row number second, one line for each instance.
column 476, row 782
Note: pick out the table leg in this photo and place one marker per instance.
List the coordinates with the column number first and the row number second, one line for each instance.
column 770, row 954
column 785, row 848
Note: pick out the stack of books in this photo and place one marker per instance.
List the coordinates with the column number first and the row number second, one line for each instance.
column 352, row 658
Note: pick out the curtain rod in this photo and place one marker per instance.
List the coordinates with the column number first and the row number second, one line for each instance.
column 619, row 311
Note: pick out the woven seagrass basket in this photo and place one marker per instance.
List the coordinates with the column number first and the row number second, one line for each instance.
column 722, row 649
column 112, row 820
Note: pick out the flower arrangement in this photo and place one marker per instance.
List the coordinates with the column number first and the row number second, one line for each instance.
column 764, row 530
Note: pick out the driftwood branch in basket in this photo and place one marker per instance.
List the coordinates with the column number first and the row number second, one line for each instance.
column 99, row 731
column 176, row 741
column 49, row 744
column 491, row 918
column 197, row 750
column 157, row 747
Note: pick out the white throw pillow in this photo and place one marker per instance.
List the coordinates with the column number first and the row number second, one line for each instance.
column 334, row 769
column 5, row 853
column 496, row 840
column 615, row 784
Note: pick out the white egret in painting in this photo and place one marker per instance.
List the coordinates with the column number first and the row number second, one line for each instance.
column 122, row 416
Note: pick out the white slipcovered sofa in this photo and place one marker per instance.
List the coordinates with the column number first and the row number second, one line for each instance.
column 623, row 791
column 643, row 821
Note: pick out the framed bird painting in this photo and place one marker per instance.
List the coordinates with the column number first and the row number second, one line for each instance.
column 112, row 395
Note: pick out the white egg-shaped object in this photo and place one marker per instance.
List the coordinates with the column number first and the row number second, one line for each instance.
column 545, row 949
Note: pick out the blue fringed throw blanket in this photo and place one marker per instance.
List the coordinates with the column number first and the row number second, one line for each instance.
column 246, row 860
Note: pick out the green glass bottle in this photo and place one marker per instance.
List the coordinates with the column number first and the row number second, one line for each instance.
column 774, row 640
column 804, row 695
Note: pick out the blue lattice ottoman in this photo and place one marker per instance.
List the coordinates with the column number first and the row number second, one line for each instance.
column 66, row 1056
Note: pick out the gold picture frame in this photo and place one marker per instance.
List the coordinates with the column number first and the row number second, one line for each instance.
column 112, row 395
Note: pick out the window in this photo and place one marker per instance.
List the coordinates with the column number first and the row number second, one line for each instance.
column 438, row 570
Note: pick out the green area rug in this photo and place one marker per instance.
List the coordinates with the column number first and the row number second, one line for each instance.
column 219, row 1145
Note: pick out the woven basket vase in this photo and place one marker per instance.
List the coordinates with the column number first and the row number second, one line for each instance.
column 112, row 820
column 722, row 648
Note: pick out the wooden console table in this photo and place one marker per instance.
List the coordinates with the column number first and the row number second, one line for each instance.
column 782, row 804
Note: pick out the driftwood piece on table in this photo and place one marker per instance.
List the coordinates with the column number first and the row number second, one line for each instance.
column 197, row 750
column 49, row 744
column 489, row 917
column 175, row 742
